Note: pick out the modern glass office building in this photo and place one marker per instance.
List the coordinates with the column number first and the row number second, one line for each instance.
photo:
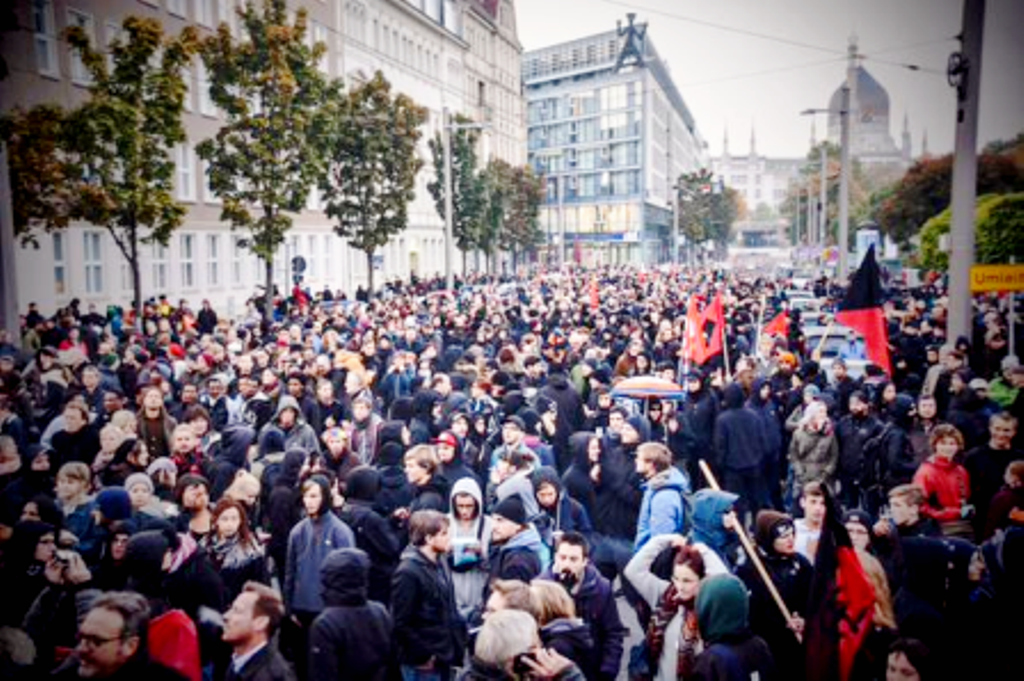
column 611, row 134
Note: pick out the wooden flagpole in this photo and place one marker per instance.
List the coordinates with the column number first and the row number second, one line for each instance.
column 751, row 552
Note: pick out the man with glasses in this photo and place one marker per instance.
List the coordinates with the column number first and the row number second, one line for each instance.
column 111, row 642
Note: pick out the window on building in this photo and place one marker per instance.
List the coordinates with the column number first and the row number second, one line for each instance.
column 213, row 260
column 112, row 32
column 311, row 257
column 326, row 253
column 208, row 195
column 45, row 38
column 178, row 8
column 79, row 73
column 204, row 13
column 186, row 75
column 159, row 266
column 237, row 266
column 185, row 162
column 59, row 259
column 187, row 258
column 93, row 259
column 206, row 106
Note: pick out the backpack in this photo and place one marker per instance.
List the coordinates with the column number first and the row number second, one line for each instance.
column 685, row 496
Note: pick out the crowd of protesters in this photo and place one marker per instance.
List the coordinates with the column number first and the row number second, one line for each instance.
column 421, row 484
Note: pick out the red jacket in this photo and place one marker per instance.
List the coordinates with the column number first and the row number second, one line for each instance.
column 946, row 486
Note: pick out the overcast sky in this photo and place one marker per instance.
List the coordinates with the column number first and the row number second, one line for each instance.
column 731, row 78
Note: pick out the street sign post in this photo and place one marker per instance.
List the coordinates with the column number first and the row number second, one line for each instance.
column 997, row 278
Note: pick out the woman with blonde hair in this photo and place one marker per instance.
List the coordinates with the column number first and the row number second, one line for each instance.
column 872, row 657
column 560, row 629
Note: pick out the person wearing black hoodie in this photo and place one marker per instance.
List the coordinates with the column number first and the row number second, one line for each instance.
column 586, row 452
column 559, row 512
column 697, row 423
column 618, row 496
column 889, row 458
column 449, row 452
column 426, row 409
column 739, row 450
column 374, row 534
column 569, row 416
column 763, row 404
column 283, row 507
column 351, row 637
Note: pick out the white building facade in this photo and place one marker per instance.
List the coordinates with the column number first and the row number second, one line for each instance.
column 420, row 47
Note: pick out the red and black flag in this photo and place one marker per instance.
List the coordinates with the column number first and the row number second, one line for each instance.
column 862, row 311
column 779, row 326
column 841, row 607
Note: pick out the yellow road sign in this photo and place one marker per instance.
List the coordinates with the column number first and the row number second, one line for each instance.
column 988, row 278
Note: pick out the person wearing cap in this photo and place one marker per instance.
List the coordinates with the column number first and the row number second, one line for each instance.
column 517, row 551
column 513, row 439
column 449, row 453
column 697, row 420
column 983, row 390
column 859, row 525
column 852, row 431
column 791, row 573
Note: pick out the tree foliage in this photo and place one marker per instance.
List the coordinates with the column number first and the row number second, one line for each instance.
column 43, row 176
column 924, row 192
column 705, row 212
column 108, row 161
column 469, row 193
column 999, row 232
column 269, row 153
column 497, row 179
column 522, row 230
column 372, row 165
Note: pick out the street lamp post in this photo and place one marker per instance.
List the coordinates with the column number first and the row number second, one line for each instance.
column 844, row 176
column 449, row 239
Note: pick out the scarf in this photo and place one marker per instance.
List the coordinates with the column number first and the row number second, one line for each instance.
column 231, row 553
column 669, row 605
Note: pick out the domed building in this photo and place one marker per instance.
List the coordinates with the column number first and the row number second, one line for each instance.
column 871, row 140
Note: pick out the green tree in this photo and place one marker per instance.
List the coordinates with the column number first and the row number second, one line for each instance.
column 497, row 176
column 522, row 230
column 705, row 213
column 269, row 153
column 468, row 186
column 999, row 232
column 44, row 179
column 372, row 166
column 925, row 192
column 119, row 140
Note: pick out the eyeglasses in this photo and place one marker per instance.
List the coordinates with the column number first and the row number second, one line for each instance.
column 94, row 641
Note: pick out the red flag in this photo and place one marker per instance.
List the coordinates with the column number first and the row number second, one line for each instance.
column 694, row 349
column 841, row 607
column 714, row 314
column 861, row 310
column 778, row 326
column 595, row 301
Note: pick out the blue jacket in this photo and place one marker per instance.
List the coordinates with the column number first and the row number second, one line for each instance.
column 309, row 543
column 662, row 510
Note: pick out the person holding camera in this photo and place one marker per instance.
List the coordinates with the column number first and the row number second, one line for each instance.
column 51, row 620
column 595, row 604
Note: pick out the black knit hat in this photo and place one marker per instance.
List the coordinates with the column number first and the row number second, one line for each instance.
column 767, row 526
column 511, row 509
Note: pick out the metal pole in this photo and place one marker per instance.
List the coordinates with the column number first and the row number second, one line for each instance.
column 810, row 210
column 561, row 224
column 844, row 182
column 446, row 137
column 823, row 196
column 965, row 172
column 8, row 267
column 675, row 225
